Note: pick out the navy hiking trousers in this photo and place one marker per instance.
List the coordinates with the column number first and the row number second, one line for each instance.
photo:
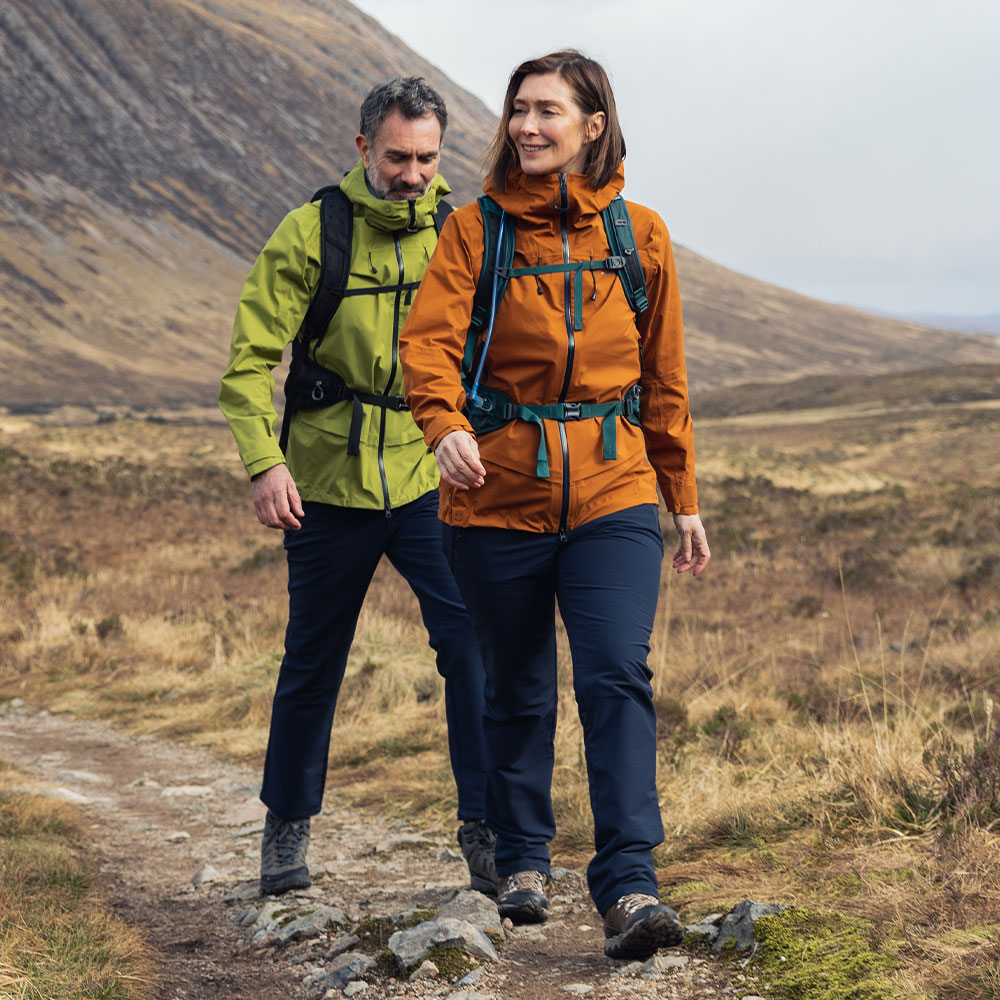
column 331, row 560
column 605, row 576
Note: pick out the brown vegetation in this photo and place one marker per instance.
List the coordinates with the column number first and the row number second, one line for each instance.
column 825, row 692
column 57, row 935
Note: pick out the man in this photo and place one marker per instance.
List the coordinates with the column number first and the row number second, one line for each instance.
column 355, row 480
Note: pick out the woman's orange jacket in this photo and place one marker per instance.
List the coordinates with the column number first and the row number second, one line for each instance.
column 536, row 357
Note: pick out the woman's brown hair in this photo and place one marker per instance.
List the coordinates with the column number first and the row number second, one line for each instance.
column 592, row 93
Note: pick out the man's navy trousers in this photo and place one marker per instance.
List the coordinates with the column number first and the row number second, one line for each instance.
column 605, row 575
column 331, row 560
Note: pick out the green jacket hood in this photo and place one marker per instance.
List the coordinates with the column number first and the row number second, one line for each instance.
column 391, row 216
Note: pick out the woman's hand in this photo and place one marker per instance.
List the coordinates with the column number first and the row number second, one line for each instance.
column 457, row 457
column 692, row 553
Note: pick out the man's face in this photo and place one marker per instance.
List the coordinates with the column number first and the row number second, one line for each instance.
column 402, row 160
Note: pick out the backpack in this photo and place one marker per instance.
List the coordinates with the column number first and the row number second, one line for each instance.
column 488, row 409
column 309, row 385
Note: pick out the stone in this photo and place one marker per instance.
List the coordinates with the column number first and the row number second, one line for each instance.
column 248, row 831
column 471, row 978
column 206, row 874
column 354, row 988
column 342, row 943
column 426, row 970
column 17, row 703
column 664, row 963
column 411, row 946
column 144, row 782
column 707, row 927
column 632, row 969
column 578, row 989
column 177, row 836
column 738, row 924
column 188, row 792
column 309, row 924
column 467, row 995
column 66, row 795
column 476, row 909
column 86, row 777
column 403, row 844
column 243, row 893
column 447, row 854
column 348, row 967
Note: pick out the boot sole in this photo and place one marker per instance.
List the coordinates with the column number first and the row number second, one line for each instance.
column 660, row 929
column 524, row 907
column 275, row 885
column 484, row 885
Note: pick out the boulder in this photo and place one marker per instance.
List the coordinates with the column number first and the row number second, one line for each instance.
column 737, row 927
column 411, row 946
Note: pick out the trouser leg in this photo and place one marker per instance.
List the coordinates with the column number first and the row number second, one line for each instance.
column 331, row 559
column 415, row 549
column 607, row 586
column 507, row 583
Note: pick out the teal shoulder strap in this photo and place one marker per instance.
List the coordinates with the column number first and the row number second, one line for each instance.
column 493, row 275
column 621, row 241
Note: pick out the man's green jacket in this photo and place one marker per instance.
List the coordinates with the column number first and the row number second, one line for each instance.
column 361, row 345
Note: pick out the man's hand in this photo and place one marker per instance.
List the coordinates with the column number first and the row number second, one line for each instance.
column 692, row 553
column 457, row 457
column 275, row 498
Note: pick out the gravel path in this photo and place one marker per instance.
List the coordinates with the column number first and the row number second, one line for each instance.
column 165, row 817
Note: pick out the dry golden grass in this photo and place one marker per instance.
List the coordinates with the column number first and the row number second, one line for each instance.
column 57, row 937
column 824, row 693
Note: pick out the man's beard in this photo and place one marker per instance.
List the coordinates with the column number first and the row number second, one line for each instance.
column 391, row 192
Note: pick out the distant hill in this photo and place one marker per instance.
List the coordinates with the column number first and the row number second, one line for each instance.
column 151, row 148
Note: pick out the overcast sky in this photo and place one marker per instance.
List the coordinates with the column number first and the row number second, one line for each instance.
column 849, row 150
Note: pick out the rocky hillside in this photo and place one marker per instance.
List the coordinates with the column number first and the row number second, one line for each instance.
column 150, row 148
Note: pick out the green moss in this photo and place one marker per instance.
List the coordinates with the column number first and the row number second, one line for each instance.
column 374, row 932
column 452, row 963
column 805, row 955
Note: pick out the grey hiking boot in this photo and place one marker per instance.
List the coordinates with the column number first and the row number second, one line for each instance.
column 478, row 843
column 521, row 897
column 283, row 855
column 639, row 924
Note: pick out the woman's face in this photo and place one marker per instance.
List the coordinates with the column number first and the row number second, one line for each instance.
column 550, row 132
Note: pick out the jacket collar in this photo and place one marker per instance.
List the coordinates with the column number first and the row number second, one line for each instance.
column 393, row 216
column 541, row 196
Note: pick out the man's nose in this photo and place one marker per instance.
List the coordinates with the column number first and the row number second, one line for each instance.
column 411, row 173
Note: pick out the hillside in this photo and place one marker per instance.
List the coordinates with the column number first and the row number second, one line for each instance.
column 152, row 147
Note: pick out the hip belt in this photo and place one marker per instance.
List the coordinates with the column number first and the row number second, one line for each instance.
column 493, row 409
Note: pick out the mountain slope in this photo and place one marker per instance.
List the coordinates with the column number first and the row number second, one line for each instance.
column 151, row 148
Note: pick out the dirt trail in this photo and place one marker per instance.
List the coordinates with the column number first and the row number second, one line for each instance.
column 160, row 812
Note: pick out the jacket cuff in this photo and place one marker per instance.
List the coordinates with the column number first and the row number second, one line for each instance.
column 440, row 427
column 262, row 464
column 680, row 498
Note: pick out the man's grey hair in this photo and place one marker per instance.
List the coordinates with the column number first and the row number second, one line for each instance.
column 411, row 96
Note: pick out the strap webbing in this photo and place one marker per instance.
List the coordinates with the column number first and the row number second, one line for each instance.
column 576, row 268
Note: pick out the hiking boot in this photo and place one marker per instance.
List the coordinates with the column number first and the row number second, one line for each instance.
column 478, row 842
column 521, row 897
column 283, row 855
column 639, row 924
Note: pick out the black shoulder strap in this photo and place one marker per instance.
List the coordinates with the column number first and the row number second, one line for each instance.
column 621, row 241
column 336, row 218
column 443, row 211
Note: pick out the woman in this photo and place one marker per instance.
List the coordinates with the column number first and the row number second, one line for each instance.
column 549, row 473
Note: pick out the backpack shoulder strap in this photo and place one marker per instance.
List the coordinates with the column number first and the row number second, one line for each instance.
column 336, row 217
column 621, row 241
column 442, row 213
column 497, row 261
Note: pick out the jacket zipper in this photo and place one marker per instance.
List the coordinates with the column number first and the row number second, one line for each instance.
column 570, row 349
column 392, row 376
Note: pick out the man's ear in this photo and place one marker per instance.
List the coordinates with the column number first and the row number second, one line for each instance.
column 365, row 150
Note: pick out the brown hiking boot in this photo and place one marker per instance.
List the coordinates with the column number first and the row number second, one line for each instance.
column 521, row 897
column 639, row 924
